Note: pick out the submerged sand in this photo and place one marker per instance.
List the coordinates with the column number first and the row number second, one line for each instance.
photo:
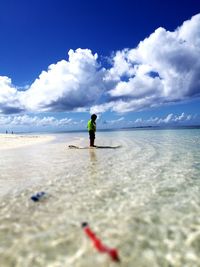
column 12, row 141
column 142, row 199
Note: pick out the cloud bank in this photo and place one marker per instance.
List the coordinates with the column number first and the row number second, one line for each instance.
column 170, row 119
column 163, row 68
column 36, row 121
column 10, row 122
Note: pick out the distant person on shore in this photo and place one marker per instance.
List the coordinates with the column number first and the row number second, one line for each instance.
column 92, row 129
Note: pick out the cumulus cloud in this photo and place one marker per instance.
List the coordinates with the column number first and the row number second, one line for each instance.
column 36, row 121
column 9, row 97
column 163, row 68
column 168, row 120
column 175, row 118
column 67, row 85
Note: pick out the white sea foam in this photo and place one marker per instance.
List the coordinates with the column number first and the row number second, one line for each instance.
column 142, row 198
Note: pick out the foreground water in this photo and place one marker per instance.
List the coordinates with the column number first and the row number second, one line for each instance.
column 143, row 198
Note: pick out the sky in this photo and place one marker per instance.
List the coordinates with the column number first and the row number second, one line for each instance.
column 133, row 63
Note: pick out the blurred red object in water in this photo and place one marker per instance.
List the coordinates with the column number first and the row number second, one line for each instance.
column 112, row 252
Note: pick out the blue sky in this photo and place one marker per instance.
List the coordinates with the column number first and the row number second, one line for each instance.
column 133, row 63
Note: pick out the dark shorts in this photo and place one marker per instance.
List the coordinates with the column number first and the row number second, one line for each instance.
column 92, row 135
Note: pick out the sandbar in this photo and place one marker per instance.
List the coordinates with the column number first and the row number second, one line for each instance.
column 13, row 141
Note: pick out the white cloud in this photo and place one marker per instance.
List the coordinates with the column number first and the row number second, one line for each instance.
column 5, row 120
column 9, row 96
column 138, row 120
column 163, row 68
column 121, row 66
column 66, row 85
column 170, row 119
column 117, row 121
column 101, row 108
column 26, row 120
column 121, row 106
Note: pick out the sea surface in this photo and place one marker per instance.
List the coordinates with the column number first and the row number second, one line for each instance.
column 142, row 198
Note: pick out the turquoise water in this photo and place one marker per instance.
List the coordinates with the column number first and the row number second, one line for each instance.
column 143, row 198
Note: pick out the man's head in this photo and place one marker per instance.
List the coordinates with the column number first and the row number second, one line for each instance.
column 93, row 117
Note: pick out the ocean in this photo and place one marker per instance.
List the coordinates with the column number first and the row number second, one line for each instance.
column 142, row 198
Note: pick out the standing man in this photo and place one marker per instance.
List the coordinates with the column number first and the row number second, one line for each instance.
column 92, row 129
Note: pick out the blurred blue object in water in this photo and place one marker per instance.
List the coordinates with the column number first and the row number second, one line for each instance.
column 38, row 196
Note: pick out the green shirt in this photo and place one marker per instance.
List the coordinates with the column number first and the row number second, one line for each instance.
column 91, row 126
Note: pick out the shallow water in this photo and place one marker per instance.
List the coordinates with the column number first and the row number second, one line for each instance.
column 143, row 198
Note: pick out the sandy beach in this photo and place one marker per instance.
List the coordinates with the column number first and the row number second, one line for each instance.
column 12, row 141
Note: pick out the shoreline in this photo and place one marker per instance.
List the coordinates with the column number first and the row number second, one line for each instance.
column 13, row 141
